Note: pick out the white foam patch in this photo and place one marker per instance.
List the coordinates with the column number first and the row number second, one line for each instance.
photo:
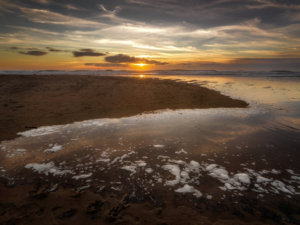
column 181, row 151
column 189, row 189
column 185, row 175
column 82, row 176
column 55, row 148
column 116, row 188
column 229, row 186
column 47, row 168
column 149, row 170
column 18, row 152
column 163, row 157
column 259, row 189
column 40, row 131
column 104, row 154
column 175, row 170
column 124, row 156
column 141, row 163
column 260, row 179
column 103, row 160
column 291, row 172
column 180, row 162
column 115, row 160
column 230, row 183
column 193, row 165
column 211, row 167
column 158, row 146
column 296, row 178
column 131, row 169
column 132, row 152
column 94, row 123
column 220, row 173
column 272, row 171
column 242, row 177
column 280, row 186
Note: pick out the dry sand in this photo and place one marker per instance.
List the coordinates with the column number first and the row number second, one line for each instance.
column 33, row 101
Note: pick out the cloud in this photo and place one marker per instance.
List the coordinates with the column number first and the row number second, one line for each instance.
column 122, row 58
column 42, row 1
column 13, row 48
column 106, row 64
column 46, row 16
column 265, row 60
column 47, row 2
column 199, row 63
column 31, row 49
column 19, row 48
column 169, row 30
column 34, row 53
column 50, row 49
column 88, row 52
column 244, row 64
column 102, row 7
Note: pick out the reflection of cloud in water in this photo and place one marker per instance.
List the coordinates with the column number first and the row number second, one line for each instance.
column 232, row 149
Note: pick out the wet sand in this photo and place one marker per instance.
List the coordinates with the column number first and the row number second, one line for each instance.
column 27, row 102
column 32, row 204
column 117, row 171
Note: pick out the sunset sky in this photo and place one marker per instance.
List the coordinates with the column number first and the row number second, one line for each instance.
column 150, row 34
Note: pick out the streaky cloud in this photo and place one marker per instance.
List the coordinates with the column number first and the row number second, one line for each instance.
column 34, row 53
column 88, row 52
column 106, row 64
column 14, row 48
column 122, row 58
column 51, row 49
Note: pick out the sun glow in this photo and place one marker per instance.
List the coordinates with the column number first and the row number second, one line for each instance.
column 141, row 64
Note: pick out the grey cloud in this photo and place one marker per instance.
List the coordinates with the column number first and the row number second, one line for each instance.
column 121, row 58
column 213, row 12
column 51, row 49
column 163, row 13
column 106, row 64
column 265, row 60
column 266, row 63
column 31, row 49
column 246, row 64
column 13, row 48
column 219, row 27
column 202, row 63
column 244, row 61
column 88, row 52
column 17, row 48
column 34, row 53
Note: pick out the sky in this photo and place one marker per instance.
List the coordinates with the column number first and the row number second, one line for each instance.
column 150, row 34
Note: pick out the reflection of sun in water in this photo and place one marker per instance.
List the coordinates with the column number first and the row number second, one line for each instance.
column 141, row 64
column 141, row 76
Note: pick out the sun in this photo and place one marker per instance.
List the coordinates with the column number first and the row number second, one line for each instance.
column 141, row 64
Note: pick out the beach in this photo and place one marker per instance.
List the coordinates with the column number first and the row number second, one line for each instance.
column 175, row 150
column 34, row 101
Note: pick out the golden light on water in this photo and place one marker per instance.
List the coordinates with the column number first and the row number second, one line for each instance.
column 141, row 76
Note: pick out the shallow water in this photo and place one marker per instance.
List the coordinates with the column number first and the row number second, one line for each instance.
column 214, row 154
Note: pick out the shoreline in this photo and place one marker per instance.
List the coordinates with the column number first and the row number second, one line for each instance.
column 31, row 101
